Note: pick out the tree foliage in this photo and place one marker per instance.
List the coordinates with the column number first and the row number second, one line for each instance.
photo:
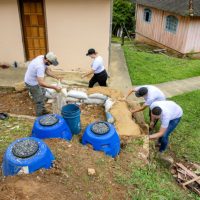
column 123, row 15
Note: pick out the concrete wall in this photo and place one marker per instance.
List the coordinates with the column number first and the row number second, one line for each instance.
column 74, row 26
column 155, row 30
column 11, row 46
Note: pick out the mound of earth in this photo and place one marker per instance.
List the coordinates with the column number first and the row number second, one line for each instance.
column 69, row 178
column 124, row 123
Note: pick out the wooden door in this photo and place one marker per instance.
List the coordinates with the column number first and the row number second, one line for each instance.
column 34, row 31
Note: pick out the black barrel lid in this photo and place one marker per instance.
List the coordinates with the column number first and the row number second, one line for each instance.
column 48, row 120
column 25, row 148
column 100, row 128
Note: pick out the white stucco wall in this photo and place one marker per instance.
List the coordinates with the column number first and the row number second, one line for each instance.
column 74, row 26
column 11, row 46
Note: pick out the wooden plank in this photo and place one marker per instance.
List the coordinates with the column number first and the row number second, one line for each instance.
column 189, row 173
column 191, row 181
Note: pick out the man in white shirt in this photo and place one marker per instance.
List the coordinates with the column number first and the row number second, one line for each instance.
column 170, row 115
column 150, row 94
column 100, row 75
column 34, row 79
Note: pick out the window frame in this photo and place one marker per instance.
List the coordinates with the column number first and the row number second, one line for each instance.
column 147, row 10
column 168, row 25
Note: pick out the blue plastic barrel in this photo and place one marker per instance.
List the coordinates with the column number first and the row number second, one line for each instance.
column 71, row 113
column 13, row 165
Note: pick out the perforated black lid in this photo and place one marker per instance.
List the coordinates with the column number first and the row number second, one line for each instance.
column 100, row 128
column 25, row 148
column 48, row 120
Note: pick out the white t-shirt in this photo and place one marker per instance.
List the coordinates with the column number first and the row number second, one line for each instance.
column 36, row 68
column 154, row 94
column 170, row 111
column 98, row 65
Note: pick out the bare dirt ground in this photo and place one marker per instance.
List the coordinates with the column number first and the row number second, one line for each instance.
column 17, row 103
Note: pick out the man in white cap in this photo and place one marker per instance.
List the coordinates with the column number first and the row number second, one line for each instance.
column 34, row 79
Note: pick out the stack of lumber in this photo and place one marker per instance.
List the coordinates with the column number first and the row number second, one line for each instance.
column 187, row 177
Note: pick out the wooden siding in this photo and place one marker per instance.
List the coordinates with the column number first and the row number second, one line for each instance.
column 155, row 30
column 193, row 39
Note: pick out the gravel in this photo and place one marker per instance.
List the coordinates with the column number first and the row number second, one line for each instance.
column 48, row 120
column 25, row 148
column 100, row 128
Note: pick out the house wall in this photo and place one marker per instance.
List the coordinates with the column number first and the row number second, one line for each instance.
column 155, row 30
column 193, row 39
column 74, row 26
column 11, row 46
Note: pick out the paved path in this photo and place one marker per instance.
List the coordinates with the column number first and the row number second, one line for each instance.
column 119, row 76
column 179, row 87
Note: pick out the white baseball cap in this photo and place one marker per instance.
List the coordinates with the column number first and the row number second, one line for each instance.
column 52, row 58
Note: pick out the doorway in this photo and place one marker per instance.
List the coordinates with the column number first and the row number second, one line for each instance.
column 34, row 27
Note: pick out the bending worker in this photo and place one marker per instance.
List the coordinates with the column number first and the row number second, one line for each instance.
column 169, row 113
column 150, row 94
column 34, row 79
column 98, row 70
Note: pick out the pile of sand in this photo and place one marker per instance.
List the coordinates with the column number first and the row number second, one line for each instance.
column 124, row 122
column 114, row 94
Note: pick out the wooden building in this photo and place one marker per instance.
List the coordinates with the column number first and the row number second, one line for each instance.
column 67, row 27
column 173, row 24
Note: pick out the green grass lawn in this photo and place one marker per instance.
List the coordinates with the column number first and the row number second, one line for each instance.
column 152, row 182
column 185, row 142
column 148, row 68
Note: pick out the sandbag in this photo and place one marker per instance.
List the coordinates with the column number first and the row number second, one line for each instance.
column 109, row 118
column 108, row 104
column 93, row 101
column 71, row 99
column 64, row 92
column 98, row 96
column 77, row 94
column 50, row 93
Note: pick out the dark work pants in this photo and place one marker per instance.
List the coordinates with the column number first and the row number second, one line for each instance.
column 38, row 94
column 100, row 78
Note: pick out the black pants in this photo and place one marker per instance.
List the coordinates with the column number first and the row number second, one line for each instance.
column 100, row 78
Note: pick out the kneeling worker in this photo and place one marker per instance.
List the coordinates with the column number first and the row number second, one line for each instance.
column 150, row 94
column 100, row 75
column 170, row 115
column 34, row 79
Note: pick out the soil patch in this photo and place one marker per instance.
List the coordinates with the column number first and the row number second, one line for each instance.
column 17, row 103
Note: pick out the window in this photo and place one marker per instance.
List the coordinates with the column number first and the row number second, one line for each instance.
column 147, row 15
column 171, row 23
